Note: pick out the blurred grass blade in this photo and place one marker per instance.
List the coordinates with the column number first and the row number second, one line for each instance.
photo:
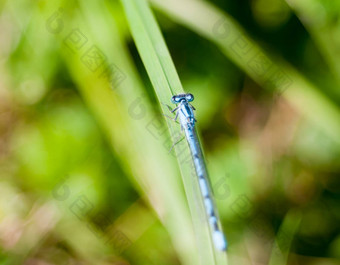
column 314, row 15
column 284, row 238
column 113, row 107
column 164, row 78
column 170, row 204
column 269, row 72
column 39, row 64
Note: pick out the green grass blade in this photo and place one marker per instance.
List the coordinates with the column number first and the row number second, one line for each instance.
column 284, row 238
column 177, row 221
column 213, row 24
column 315, row 16
column 164, row 78
column 135, row 147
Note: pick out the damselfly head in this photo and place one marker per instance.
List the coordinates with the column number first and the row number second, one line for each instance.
column 178, row 98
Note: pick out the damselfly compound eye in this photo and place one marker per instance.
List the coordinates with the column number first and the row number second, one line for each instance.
column 174, row 99
column 189, row 97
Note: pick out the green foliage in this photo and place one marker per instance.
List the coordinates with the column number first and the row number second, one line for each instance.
column 86, row 177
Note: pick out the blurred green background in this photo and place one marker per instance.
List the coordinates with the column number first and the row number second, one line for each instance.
column 86, row 177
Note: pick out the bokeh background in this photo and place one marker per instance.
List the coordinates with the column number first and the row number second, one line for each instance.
column 86, row 177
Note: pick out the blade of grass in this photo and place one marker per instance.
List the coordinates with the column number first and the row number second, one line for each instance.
column 162, row 73
column 317, row 20
column 37, row 65
column 284, row 238
column 138, row 157
column 218, row 27
column 135, row 146
column 173, row 213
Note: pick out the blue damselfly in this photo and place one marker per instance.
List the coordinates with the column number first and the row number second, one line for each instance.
column 185, row 112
